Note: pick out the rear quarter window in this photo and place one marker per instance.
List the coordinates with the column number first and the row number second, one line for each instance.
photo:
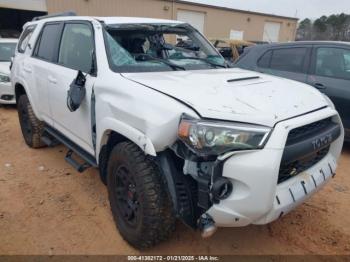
column 47, row 46
column 264, row 60
column 25, row 37
column 288, row 59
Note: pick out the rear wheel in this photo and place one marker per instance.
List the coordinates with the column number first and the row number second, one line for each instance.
column 32, row 128
column 139, row 199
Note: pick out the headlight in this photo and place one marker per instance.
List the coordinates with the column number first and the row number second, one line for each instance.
column 209, row 138
column 4, row 78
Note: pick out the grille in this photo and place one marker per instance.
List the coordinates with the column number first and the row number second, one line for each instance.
column 301, row 133
column 289, row 169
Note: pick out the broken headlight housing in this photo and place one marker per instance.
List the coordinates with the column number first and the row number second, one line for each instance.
column 213, row 138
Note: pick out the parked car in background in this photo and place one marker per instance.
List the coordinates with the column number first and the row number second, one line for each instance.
column 7, row 51
column 230, row 49
column 324, row 65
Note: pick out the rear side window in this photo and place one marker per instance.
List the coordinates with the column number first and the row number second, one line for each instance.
column 24, row 39
column 47, row 47
column 333, row 62
column 264, row 61
column 288, row 59
column 77, row 47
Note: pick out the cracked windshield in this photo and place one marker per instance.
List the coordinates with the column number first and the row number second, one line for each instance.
column 149, row 48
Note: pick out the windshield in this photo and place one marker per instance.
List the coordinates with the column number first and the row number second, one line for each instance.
column 7, row 50
column 159, row 47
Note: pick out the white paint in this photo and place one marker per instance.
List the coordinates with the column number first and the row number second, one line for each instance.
column 32, row 5
column 196, row 19
column 131, row 105
column 271, row 32
column 236, row 35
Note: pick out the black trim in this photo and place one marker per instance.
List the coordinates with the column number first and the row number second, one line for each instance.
column 243, row 79
column 93, row 118
column 90, row 159
column 314, row 180
column 291, row 193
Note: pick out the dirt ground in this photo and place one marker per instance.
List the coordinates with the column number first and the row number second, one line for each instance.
column 48, row 208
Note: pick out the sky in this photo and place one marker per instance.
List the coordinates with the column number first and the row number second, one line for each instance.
column 295, row 8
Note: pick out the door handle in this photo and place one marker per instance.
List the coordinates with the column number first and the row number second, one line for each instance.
column 52, row 80
column 319, row 86
column 27, row 69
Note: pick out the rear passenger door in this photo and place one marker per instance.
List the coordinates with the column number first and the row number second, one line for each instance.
column 288, row 62
column 76, row 52
column 330, row 73
column 37, row 67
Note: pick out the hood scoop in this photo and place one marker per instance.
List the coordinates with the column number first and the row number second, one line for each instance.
column 243, row 79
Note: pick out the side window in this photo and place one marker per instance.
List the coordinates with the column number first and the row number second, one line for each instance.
column 24, row 39
column 288, row 59
column 77, row 47
column 47, row 46
column 264, row 61
column 333, row 62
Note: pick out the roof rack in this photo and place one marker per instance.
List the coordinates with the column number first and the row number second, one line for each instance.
column 68, row 13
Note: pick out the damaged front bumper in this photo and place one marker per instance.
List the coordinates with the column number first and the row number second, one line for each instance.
column 257, row 197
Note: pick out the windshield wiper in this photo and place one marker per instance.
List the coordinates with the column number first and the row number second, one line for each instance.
column 173, row 66
column 207, row 61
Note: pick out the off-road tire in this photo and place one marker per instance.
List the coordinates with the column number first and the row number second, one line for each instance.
column 32, row 128
column 156, row 219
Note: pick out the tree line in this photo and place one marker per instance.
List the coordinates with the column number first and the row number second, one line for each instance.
column 333, row 27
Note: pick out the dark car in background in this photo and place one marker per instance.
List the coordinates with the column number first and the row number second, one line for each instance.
column 324, row 65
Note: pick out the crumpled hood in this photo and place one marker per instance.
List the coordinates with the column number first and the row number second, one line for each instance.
column 5, row 68
column 264, row 101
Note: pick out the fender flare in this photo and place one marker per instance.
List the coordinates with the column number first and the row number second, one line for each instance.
column 109, row 124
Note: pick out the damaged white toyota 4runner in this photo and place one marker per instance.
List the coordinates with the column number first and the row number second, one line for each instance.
column 174, row 131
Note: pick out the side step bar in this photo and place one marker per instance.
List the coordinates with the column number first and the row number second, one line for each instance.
column 89, row 160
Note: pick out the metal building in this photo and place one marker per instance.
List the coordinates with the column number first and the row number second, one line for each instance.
column 213, row 21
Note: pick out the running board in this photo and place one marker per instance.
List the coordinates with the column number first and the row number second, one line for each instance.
column 88, row 159
column 74, row 163
column 49, row 140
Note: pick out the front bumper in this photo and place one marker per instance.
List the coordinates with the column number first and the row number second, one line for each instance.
column 6, row 91
column 256, row 196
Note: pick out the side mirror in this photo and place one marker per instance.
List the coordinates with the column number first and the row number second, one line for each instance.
column 76, row 92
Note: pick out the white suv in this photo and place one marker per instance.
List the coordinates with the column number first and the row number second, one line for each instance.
column 174, row 131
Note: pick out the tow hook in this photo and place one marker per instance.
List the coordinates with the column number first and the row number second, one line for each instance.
column 207, row 226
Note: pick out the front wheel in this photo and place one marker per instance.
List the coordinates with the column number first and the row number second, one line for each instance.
column 140, row 203
column 32, row 128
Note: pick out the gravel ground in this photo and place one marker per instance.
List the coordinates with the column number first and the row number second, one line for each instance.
column 48, row 208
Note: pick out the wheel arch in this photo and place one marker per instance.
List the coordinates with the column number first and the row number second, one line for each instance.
column 19, row 90
column 111, row 131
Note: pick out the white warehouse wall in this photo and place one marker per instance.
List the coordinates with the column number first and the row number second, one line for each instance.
column 32, row 5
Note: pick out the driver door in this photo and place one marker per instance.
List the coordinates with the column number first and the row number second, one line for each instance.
column 75, row 53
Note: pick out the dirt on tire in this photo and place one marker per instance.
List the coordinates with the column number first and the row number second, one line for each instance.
column 46, row 207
